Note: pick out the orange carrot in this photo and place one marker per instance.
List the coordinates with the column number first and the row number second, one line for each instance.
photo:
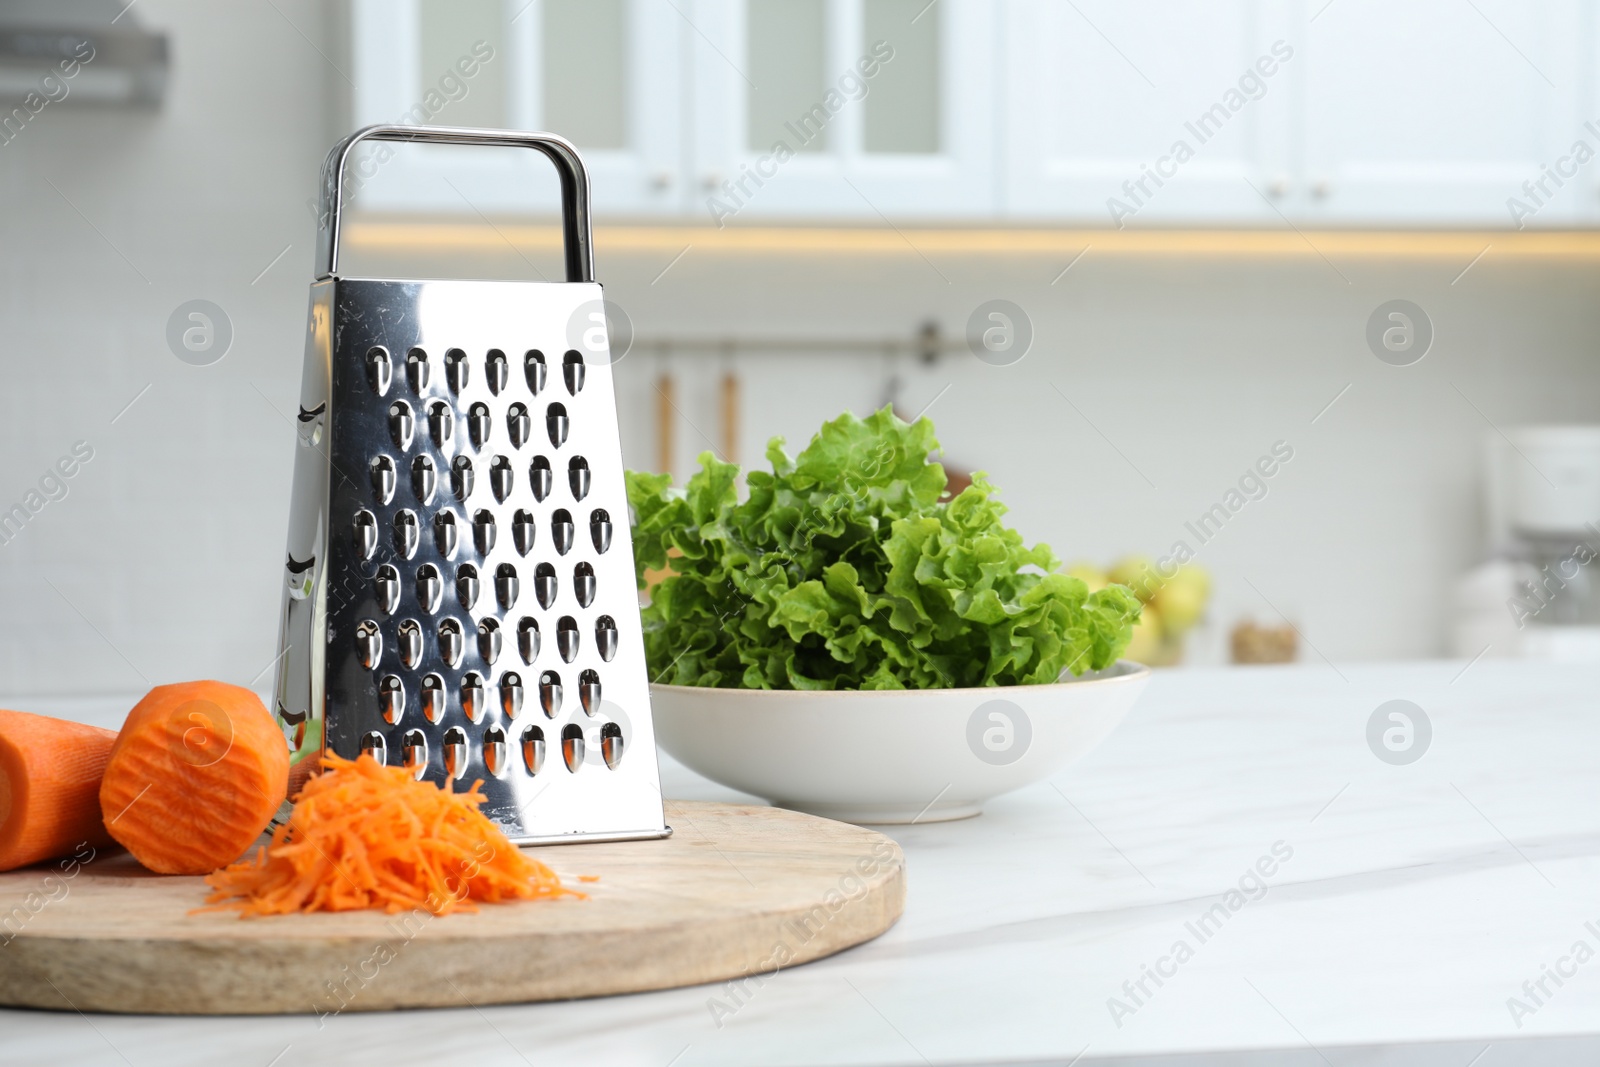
column 49, row 787
column 196, row 774
column 366, row 836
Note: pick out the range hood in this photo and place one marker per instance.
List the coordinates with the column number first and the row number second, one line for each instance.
column 79, row 51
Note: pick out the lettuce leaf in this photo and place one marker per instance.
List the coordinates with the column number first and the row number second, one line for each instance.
column 843, row 569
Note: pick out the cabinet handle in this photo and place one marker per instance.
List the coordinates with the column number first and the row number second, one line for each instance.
column 1278, row 187
column 711, row 179
column 1321, row 188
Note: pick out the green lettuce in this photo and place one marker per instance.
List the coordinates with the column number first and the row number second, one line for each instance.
column 843, row 569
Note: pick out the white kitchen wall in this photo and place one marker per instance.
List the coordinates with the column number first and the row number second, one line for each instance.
column 163, row 562
column 1181, row 373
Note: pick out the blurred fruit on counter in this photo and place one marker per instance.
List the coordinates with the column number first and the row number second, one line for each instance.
column 1173, row 604
column 1253, row 643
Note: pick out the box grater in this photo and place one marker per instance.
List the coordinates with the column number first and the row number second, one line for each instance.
column 460, row 592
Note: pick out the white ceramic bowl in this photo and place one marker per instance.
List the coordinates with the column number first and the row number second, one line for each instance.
column 891, row 756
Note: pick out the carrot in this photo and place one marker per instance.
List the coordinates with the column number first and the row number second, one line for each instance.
column 49, row 787
column 366, row 836
column 196, row 774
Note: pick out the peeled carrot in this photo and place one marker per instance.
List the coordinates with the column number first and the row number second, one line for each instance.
column 196, row 774
column 49, row 787
column 366, row 836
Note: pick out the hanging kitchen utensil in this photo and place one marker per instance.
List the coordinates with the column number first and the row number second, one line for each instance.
column 461, row 596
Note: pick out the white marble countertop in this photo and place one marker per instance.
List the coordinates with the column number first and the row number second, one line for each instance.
column 1405, row 906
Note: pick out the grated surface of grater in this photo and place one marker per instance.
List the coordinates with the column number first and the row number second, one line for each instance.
column 460, row 583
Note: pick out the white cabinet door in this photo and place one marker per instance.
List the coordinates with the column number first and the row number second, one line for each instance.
column 1437, row 111
column 603, row 73
column 1127, row 114
column 867, row 109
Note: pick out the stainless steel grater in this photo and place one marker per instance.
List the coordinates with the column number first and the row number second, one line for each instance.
column 460, row 587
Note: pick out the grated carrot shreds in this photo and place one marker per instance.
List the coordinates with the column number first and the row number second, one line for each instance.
column 366, row 836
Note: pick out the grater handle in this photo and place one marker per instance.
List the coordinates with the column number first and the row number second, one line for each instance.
column 576, row 233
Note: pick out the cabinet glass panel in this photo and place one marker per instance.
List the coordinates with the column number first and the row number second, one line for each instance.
column 454, row 35
column 585, row 79
column 903, row 106
column 785, row 51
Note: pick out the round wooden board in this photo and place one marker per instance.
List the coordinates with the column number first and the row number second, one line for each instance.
column 735, row 890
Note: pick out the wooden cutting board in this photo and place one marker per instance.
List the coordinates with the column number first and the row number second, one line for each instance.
column 734, row 891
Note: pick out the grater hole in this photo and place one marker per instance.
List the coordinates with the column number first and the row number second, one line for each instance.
column 445, row 533
column 461, row 477
column 523, row 531
column 430, row 588
column 366, row 533
column 417, row 370
column 489, row 641
column 433, row 698
column 528, row 639
column 544, row 585
column 373, row 744
column 550, row 693
column 414, row 752
column 424, row 479
column 572, row 746
column 379, row 369
column 405, row 533
column 402, row 424
column 441, row 423
column 567, row 638
column 556, row 423
column 506, row 586
column 409, row 636
column 369, row 643
column 511, row 694
column 578, row 477
column 533, row 750
column 478, row 424
column 611, row 744
column 605, row 637
column 495, row 759
column 589, row 691
column 387, row 585
column 561, row 530
column 381, row 471
column 501, row 478
column 518, row 424
column 472, row 696
column 391, row 699
column 484, row 531
column 600, row 529
column 450, row 642
column 543, row 478
column 583, row 584
column 467, row 585
column 496, row 371
column 534, row 369
column 456, row 369
column 455, row 752
column 573, row 370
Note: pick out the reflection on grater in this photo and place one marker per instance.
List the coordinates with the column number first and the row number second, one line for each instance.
column 461, row 594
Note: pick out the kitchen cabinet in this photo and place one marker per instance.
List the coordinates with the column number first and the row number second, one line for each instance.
column 1118, row 118
column 593, row 70
column 1093, row 113
column 863, row 109
column 1436, row 111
